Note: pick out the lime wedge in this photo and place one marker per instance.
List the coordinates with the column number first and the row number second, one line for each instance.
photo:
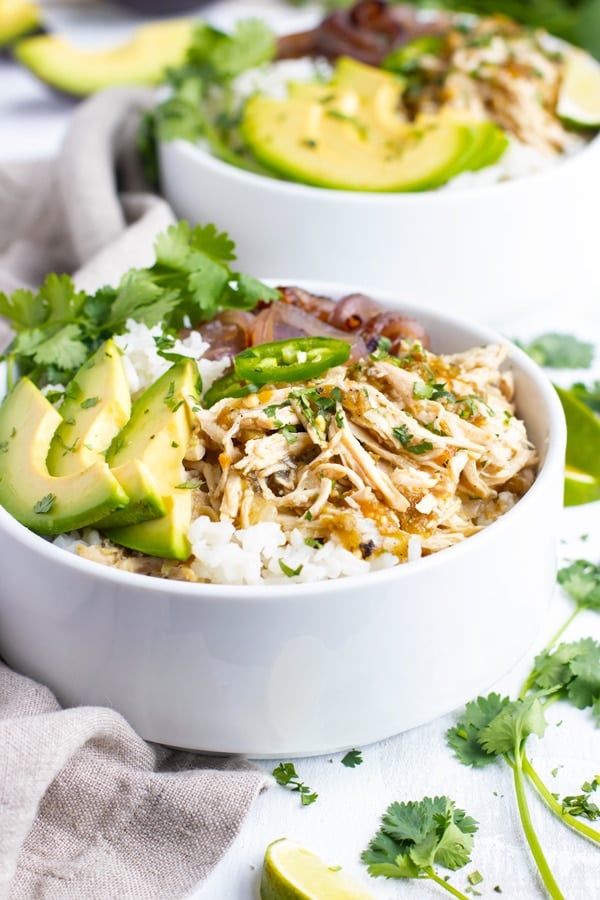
column 580, row 487
column 582, row 473
column 579, row 95
column 290, row 872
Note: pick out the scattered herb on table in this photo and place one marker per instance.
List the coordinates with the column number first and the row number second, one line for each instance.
column 588, row 394
column 496, row 727
column 581, row 804
column 352, row 759
column 416, row 835
column 559, row 351
column 285, row 774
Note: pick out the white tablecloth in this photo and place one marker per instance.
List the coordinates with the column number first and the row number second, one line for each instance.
column 339, row 825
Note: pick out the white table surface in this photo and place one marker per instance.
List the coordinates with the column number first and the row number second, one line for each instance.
column 409, row 766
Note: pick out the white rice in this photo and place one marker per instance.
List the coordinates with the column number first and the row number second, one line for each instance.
column 144, row 365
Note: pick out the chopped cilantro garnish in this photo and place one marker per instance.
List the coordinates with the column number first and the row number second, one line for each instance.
column 44, row 505
column 289, row 433
column 287, row 570
column 430, row 390
column 405, row 437
column 91, row 401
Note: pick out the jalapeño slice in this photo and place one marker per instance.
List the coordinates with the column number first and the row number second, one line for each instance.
column 296, row 359
column 230, row 385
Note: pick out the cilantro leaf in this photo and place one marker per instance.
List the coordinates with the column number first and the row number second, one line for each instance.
column 551, row 668
column 58, row 327
column 65, row 349
column 23, row 309
column 61, row 299
column 172, row 247
column 584, row 689
column 588, row 394
column 226, row 55
column 352, row 758
column 581, row 580
column 415, row 835
column 285, row 774
column 45, row 504
column 512, row 725
column 464, row 737
column 559, row 351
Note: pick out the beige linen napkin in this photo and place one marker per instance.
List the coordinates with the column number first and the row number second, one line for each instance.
column 88, row 810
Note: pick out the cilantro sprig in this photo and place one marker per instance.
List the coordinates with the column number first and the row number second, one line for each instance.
column 285, row 774
column 418, row 834
column 190, row 112
column 495, row 727
column 59, row 326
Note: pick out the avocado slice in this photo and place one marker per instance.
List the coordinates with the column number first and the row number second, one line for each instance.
column 349, row 134
column 486, row 145
column 158, row 434
column 17, row 18
column 352, row 136
column 96, row 406
column 45, row 503
column 142, row 60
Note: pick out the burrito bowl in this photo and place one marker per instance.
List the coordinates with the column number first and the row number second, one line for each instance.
column 348, row 142
column 286, row 668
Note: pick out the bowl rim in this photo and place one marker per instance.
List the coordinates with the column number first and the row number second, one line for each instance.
column 270, row 593
column 201, row 156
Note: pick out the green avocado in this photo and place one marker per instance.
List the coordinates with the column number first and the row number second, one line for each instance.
column 96, row 406
column 157, row 435
column 142, row 60
column 45, row 503
column 17, row 18
column 485, row 146
column 348, row 134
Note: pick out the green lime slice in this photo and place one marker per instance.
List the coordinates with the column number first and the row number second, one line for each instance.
column 291, row 872
column 582, row 473
column 579, row 95
column 580, row 487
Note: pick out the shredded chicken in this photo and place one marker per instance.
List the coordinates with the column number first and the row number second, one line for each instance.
column 494, row 69
column 420, row 444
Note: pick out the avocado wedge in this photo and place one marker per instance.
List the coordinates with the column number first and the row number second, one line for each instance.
column 157, row 435
column 349, row 134
column 45, row 503
column 142, row 60
column 96, row 407
column 18, row 18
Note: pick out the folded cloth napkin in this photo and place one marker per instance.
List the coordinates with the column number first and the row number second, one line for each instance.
column 87, row 808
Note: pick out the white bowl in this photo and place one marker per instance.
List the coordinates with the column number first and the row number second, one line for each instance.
column 481, row 251
column 301, row 669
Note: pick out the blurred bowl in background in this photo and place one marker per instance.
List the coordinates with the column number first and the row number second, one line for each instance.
column 482, row 251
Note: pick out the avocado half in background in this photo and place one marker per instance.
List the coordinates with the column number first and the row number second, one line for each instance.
column 18, row 18
column 143, row 59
